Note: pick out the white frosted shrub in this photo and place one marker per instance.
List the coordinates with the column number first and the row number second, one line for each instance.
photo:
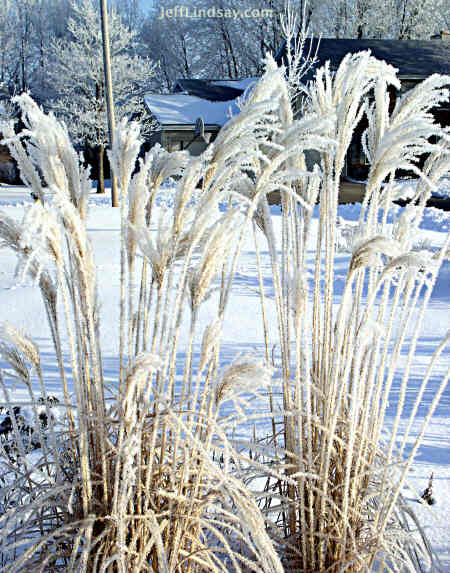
column 127, row 480
column 341, row 485
column 145, row 475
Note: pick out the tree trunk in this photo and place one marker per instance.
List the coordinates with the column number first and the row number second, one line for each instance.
column 101, row 174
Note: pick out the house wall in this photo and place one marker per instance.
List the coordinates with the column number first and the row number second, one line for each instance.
column 8, row 169
column 155, row 137
column 357, row 165
column 175, row 140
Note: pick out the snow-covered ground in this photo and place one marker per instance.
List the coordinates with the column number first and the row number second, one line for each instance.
column 20, row 304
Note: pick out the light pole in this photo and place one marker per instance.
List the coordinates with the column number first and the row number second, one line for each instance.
column 108, row 93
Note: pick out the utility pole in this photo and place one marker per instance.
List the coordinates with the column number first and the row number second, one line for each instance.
column 108, row 93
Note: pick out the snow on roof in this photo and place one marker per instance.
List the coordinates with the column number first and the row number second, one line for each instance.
column 181, row 109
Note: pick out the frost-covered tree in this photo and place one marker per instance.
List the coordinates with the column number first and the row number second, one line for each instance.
column 78, row 79
column 16, row 46
column 394, row 19
column 213, row 46
column 176, row 44
column 27, row 29
column 5, row 40
column 131, row 12
column 49, row 21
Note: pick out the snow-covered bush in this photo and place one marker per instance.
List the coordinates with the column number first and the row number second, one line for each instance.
column 132, row 484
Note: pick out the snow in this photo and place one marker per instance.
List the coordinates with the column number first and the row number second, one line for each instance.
column 184, row 109
column 181, row 109
column 444, row 189
column 242, row 332
column 406, row 188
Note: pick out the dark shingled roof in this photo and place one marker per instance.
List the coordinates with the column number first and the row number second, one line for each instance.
column 412, row 58
column 206, row 90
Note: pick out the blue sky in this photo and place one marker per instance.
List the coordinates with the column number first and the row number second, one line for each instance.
column 146, row 5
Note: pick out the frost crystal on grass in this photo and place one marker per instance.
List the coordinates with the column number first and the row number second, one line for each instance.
column 245, row 375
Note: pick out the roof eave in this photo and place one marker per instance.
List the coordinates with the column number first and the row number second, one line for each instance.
column 414, row 77
column 187, row 126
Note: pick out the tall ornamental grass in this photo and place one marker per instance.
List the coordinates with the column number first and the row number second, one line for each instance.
column 340, row 506
column 146, row 474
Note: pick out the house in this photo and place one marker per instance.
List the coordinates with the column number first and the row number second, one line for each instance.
column 194, row 112
column 415, row 60
column 192, row 115
column 8, row 169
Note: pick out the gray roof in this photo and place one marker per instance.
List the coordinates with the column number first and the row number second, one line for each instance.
column 412, row 58
column 206, row 89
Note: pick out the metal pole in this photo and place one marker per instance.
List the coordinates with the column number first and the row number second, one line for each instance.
column 108, row 93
